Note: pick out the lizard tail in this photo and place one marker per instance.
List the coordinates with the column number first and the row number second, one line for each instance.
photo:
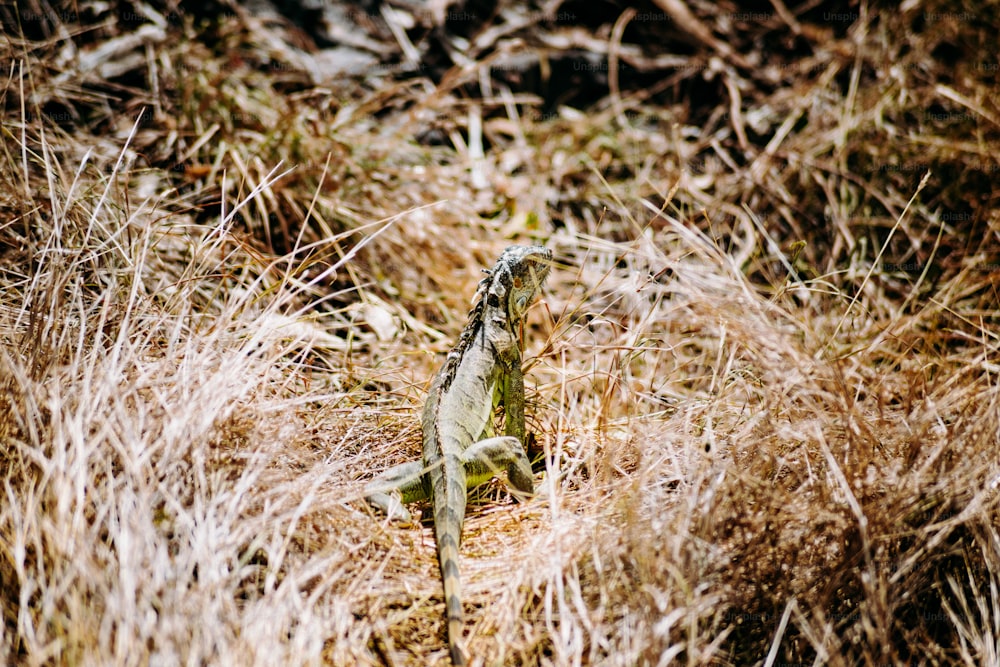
column 455, row 631
column 448, row 519
column 448, row 555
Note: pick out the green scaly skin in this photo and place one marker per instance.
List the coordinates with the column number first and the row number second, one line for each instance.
column 481, row 372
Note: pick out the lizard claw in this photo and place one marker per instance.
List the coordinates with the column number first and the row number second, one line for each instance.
column 522, row 484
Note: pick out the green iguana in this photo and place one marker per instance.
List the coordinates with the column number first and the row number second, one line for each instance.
column 481, row 372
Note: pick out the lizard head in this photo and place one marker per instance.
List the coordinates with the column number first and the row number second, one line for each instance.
column 517, row 278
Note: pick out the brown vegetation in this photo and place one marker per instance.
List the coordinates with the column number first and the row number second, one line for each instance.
column 762, row 379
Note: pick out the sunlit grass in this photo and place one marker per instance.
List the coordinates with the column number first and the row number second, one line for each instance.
column 762, row 384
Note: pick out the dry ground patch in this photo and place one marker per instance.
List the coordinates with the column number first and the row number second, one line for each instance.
column 762, row 380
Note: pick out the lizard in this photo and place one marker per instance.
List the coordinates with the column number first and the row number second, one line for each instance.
column 460, row 450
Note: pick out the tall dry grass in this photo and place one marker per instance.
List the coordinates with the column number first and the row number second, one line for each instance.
column 135, row 344
column 762, row 385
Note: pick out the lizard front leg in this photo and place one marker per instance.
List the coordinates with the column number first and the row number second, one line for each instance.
column 490, row 456
column 405, row 483
column 513, row 400
column 518, row 468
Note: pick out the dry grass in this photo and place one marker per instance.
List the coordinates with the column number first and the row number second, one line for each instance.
column 762, row 379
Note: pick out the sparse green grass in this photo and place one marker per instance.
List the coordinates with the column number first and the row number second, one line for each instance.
column 763, row 381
